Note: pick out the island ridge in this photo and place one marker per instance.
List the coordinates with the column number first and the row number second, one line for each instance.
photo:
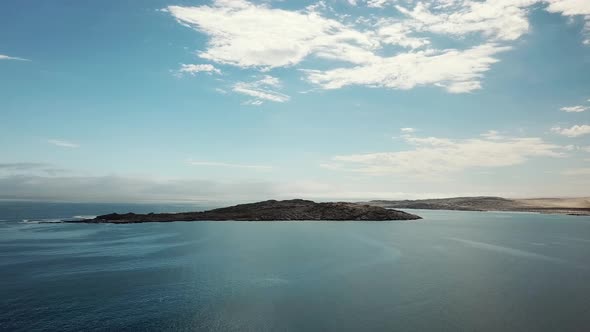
column 271, row 210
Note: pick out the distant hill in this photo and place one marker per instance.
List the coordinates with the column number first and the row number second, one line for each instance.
column 573, row 206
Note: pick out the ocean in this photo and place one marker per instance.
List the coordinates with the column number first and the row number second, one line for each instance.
column 451, row 271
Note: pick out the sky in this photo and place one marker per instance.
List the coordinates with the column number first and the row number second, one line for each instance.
column 235, row 100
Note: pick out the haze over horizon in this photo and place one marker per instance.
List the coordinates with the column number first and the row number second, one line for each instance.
column 340, row 99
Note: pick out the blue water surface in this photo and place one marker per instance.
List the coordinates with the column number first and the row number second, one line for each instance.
column 451, row 271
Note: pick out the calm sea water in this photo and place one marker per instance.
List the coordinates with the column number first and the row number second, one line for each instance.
column 452, row 271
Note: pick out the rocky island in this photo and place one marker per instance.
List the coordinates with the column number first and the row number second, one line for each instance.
column 295, row 209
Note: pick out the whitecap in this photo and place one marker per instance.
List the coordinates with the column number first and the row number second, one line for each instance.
column 41, row 221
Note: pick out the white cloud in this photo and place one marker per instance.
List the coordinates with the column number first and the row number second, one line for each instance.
column 193, row 69
column 253, row 102
column 261, row 90
column 378, row 3
column 220, row 164
column 62, row 143
column 250, row 35
column 573, row 8
column 574, row 109
column 434, row 157
column 270, row 81
column 574, row 131
column 407, row 130
column 456, row 71
column 492, row 135
column 569, row 7
column 6, row 57
column 498, row 20
column 397, row 33
column 285, row 38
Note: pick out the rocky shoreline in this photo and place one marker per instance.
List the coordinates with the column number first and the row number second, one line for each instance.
column 272, row 210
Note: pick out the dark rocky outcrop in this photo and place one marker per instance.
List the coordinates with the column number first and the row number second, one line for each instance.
column 296, row 209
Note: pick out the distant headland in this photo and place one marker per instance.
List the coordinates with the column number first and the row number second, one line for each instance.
column 572, row 206
column 272, row 210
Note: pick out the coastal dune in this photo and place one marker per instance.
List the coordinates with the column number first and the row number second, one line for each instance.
column 571, row 206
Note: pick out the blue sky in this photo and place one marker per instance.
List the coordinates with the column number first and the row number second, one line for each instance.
column 244, row 100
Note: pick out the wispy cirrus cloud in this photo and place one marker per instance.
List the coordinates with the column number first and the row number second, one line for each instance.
column 29, row 168
column 263, row 89
column 454, row 70
column 496, row 20
column 22, row 165
column 492, row 135
column 433, row 157
column 232, row 165
column 573, row 131
column 574, row 109
column 63, row 143
column 6, row 57
column 193, row 69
